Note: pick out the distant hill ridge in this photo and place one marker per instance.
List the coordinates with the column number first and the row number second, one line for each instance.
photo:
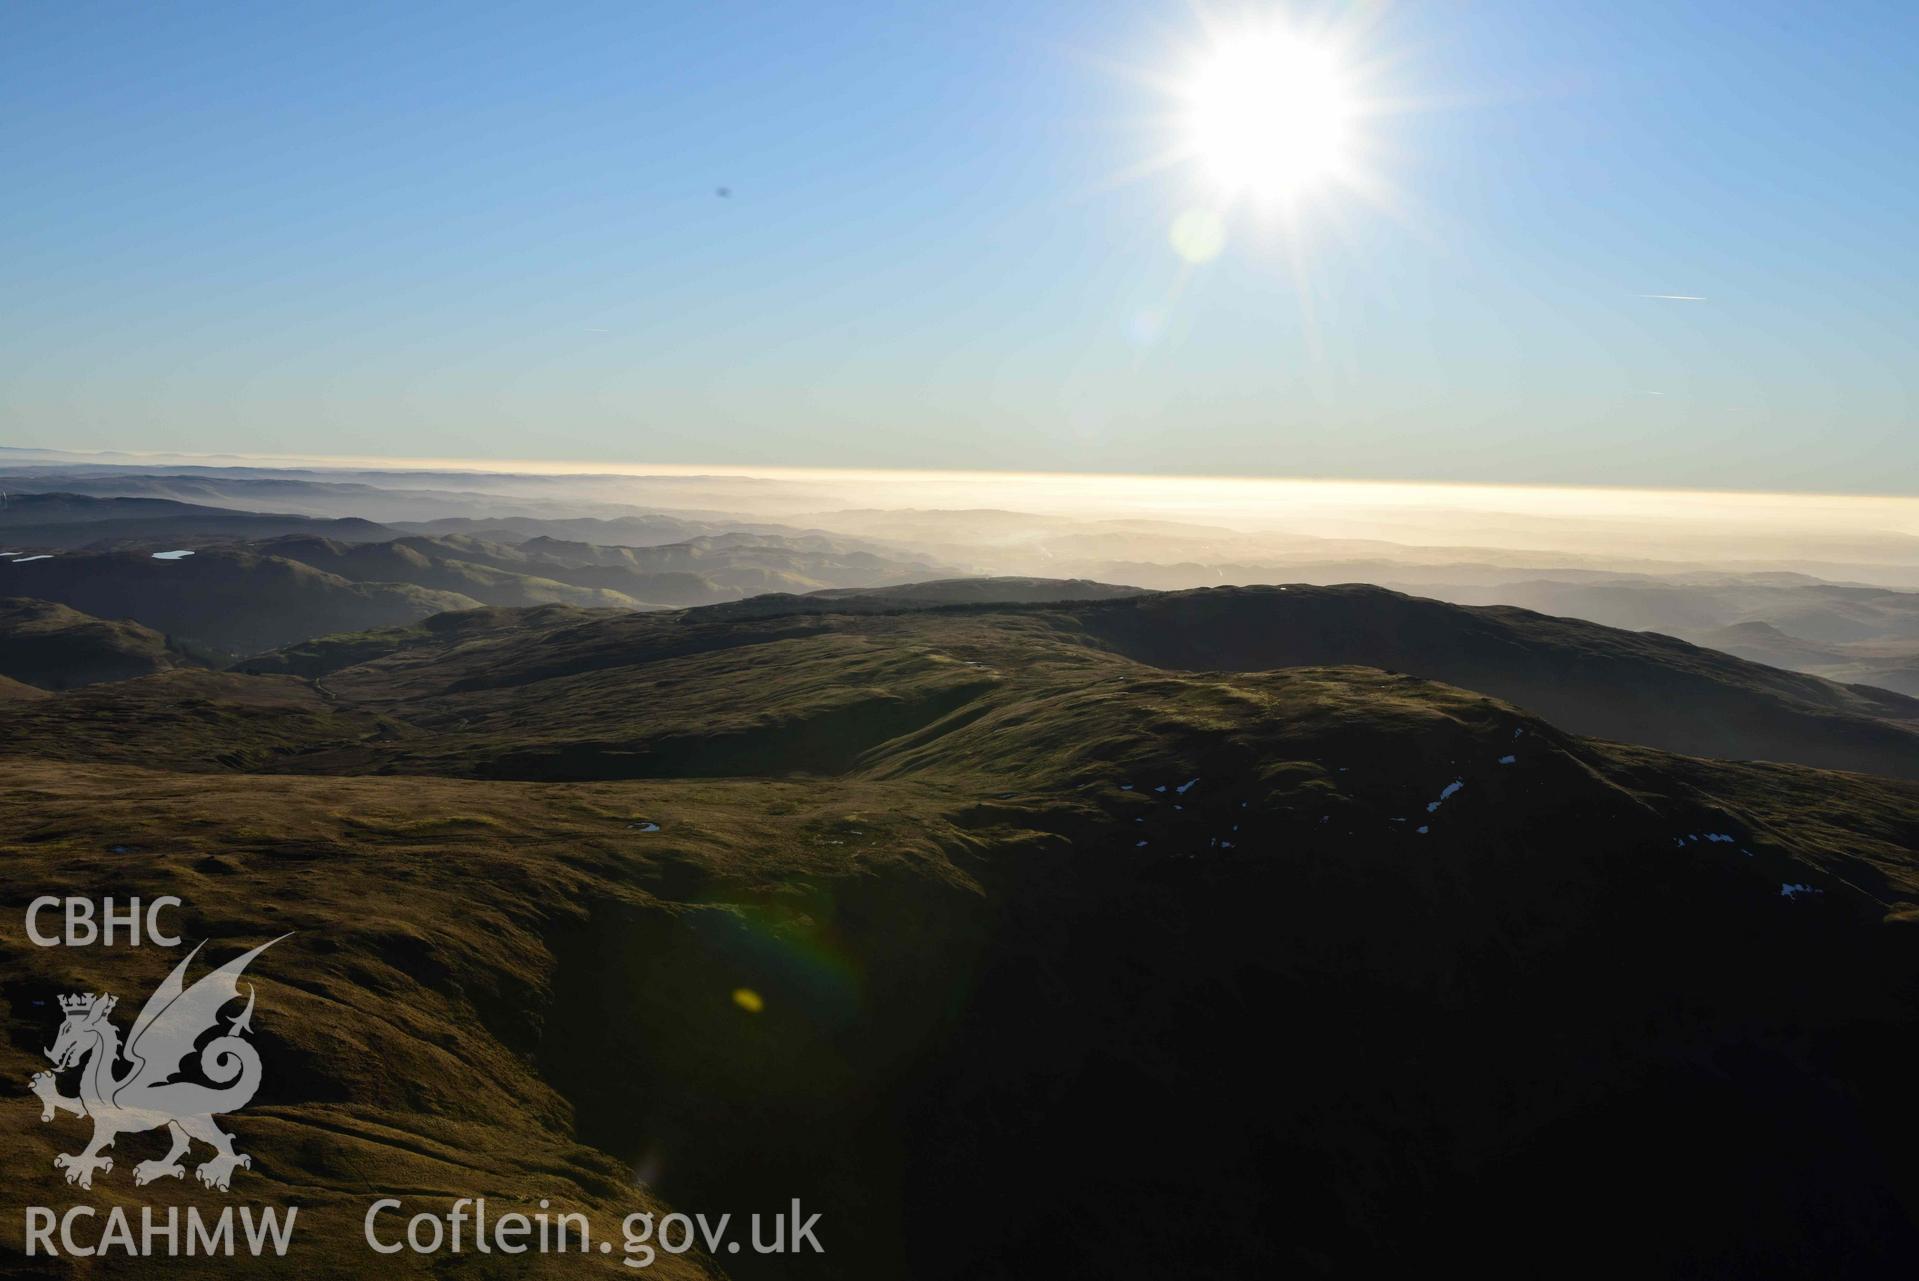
column 236, row 602
column 58, row 520
column 818, row 686
column 53, row 647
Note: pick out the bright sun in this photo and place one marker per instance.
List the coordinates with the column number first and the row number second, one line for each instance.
column 1270, row 115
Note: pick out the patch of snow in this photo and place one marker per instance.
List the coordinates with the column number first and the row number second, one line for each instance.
column 644, row 826
column 24, row 559
column 1507, row 760
column 1226, row 845
column 1424, row 830
column 1791, row 889
column 1160, row 788
column 1187, row 786
column 1451, row 789
column 1140, row 846
column 1125, row 787
column 1719, row 838
column 181, row 554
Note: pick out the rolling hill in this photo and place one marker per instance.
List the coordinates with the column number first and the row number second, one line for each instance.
column 1693, row 605
column 980, row 591
column 551, row 571
column 571, row 695
column 908, row 596
column 11, row 689
column 648, row 530
column 472, row 569
column 54, row 647
column 221, row 599
column 744, row 563
column 1056, row 961
column 1636, row 687
column 56, row 521
column 1888, row 664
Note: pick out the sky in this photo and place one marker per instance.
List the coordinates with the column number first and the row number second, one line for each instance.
column 1634, row 243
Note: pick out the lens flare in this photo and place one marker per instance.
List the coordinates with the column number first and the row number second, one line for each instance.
column 1198, row 235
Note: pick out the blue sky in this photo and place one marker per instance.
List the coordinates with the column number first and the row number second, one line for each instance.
column 485, row 230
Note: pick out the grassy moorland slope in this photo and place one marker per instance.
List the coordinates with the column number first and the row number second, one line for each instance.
column 1066, row 964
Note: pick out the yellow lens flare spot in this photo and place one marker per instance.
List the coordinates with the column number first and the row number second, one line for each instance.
column 1198, row 235
column 749, row 1000
column 1270, row 113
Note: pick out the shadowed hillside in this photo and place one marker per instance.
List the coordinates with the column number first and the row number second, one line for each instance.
column 221, row 599
column 75, row 520
column 1632, row 686
column 1061, row 963
column 54, row 647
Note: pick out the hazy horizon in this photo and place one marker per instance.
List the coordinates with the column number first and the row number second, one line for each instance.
column 1260, row 524
column 588, row 467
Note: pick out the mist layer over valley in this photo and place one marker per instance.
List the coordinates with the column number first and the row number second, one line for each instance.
column 1823, row 585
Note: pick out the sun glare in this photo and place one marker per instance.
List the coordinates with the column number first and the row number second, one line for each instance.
column 1270, row 115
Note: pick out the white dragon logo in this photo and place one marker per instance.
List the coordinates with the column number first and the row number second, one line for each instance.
column 145, row 1096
